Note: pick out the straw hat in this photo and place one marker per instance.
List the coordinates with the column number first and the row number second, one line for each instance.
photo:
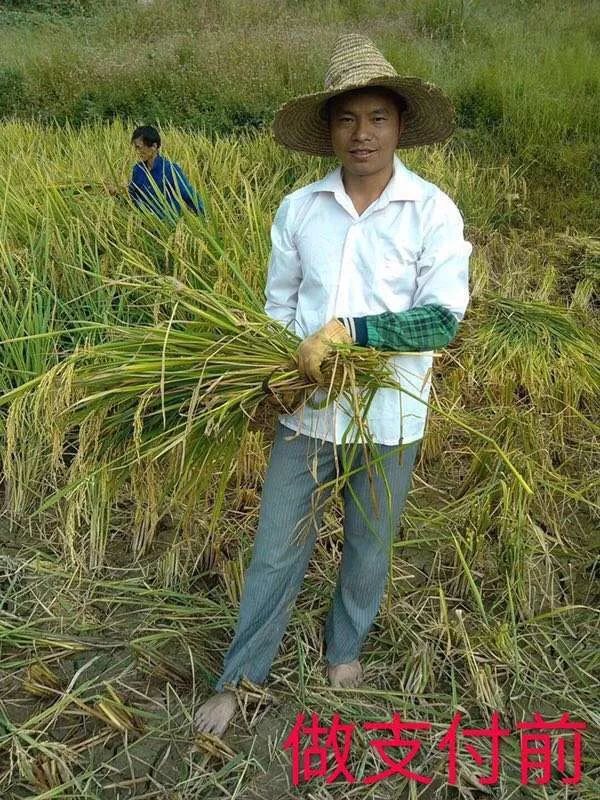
column 355, row 63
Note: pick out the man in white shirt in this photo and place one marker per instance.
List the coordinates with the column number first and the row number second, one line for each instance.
column 374, row 255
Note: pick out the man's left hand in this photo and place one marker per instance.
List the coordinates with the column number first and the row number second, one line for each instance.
column 313, row 350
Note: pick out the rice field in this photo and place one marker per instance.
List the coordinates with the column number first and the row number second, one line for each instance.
column 118, row 599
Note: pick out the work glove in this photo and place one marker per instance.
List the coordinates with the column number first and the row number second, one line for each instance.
column 313, row 350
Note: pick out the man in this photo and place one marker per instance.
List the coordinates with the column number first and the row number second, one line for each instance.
column 157, row 184
column 371, row 254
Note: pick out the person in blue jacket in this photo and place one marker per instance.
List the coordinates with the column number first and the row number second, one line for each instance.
column 157, row 184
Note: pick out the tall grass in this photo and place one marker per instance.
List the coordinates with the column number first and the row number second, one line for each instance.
column 522, row 76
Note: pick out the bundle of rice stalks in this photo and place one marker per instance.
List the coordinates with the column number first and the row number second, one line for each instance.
column 161, row 407
column 534, row 353
column 161, row 410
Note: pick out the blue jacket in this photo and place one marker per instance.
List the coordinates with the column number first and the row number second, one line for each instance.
column 163, row 189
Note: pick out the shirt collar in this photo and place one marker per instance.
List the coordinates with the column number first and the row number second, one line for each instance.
column 157, row 164
column 402, row 185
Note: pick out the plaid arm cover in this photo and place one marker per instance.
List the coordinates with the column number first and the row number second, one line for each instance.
column 423, row 328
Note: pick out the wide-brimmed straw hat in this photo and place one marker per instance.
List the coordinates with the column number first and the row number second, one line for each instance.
column 356, row 63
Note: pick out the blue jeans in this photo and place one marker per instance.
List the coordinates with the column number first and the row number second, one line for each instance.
column 290, row 515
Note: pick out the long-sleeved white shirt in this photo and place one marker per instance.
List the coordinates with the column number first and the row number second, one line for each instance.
column 405, row 250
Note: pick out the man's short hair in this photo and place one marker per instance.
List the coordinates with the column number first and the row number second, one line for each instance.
column 398, row 100
column 147, row 134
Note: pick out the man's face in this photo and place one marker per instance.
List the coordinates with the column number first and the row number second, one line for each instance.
column 144, row 152
column 365, row 129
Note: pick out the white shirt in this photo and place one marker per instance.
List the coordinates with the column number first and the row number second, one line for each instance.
column 405, row 250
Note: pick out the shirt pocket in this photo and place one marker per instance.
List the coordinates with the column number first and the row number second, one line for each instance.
column 320, row 260
column 396, row 278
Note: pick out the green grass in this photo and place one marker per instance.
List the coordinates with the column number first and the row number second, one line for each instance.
column 522, row 76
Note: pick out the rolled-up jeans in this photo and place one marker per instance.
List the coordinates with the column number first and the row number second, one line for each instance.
column 300, row 475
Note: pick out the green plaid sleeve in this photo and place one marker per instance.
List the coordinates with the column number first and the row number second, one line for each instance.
column 428, row 327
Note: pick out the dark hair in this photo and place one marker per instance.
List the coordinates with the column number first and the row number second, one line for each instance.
column 147, row 134
column 398, row 100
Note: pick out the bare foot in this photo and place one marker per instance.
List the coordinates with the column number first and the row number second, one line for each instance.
column 215, row 714
column 346, row 675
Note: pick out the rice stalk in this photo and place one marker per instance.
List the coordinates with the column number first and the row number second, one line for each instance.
column 116, row 713
column 41, row 681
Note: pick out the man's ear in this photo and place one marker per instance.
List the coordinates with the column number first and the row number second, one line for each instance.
column 400, row 127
